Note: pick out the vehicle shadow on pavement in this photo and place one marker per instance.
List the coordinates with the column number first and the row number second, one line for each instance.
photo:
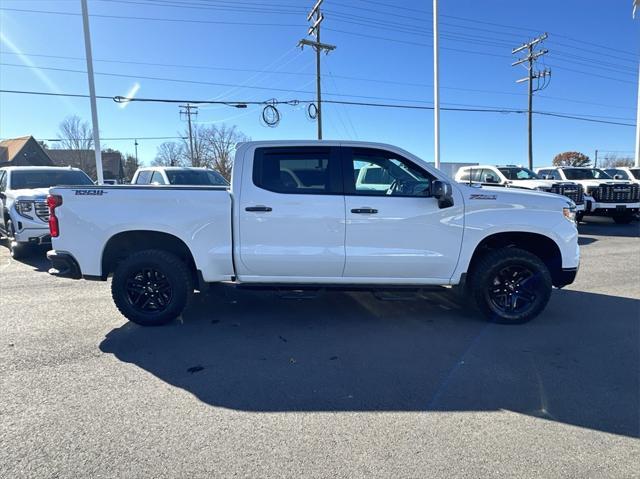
column 596, row 226
column 576, row 364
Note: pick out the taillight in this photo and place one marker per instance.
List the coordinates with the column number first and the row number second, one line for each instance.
column 53, row 201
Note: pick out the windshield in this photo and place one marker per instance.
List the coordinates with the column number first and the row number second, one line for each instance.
column 518, row 173
column 48, row 178
column 585, row 174
column 635, row 172
column 196, row 177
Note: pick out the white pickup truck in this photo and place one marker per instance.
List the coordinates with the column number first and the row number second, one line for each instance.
column 295, row 217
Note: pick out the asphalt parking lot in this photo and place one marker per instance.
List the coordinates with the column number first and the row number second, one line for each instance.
column 250, row 384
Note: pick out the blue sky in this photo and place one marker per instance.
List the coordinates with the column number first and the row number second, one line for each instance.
column 383, row 54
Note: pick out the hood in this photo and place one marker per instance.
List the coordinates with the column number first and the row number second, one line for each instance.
column 524, row 196
column 533, row 183
column 29, row 194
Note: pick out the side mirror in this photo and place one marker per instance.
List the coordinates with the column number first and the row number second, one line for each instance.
column 443, row 192
column 618, row 177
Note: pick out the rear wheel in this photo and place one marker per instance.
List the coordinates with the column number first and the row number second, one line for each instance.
column 579, row 216
column 151, row 287
column 510, row 285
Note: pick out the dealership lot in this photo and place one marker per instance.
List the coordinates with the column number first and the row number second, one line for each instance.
column 254, row 384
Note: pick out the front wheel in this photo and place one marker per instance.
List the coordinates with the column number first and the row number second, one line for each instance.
column 623, row 219
column 510, row 285
column 16, row 250
column 151, row 287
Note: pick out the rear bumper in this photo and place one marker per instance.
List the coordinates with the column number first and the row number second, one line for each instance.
column 63, row 264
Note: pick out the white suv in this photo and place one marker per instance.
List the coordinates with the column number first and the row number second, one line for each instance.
column 618, row 199
column 513, row 176
column 178, row 175
column 23, row 194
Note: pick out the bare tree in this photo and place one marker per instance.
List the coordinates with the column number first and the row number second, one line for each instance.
column 76, row 134
column 612, row 160
column 199, row 157
column 170, row 153
column 220, row 144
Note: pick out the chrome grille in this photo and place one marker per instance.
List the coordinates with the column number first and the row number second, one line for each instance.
column 617, row 193
column 574, row 192
column 42, row 210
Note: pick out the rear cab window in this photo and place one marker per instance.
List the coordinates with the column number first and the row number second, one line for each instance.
column 144, row 177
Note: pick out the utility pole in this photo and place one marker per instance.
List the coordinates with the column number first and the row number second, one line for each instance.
column 188, row 110
column 135, row 143
column 92, row 92
column 316, row 15
column 596, row 160
column 436, row 87
column 636, row 4
column 530, row 60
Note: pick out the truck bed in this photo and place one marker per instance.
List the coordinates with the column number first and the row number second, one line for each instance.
column 200, row 216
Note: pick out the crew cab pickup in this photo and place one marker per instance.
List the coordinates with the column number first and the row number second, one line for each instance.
column 618, row 199
column 520, row 177
column 23, row 192
column 295, row 217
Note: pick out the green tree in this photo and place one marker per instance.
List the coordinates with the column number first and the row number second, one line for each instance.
column 571, row 158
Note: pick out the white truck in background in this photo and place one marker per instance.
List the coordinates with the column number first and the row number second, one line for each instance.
column 617, row 199
column 24, row 216
column 296, row 216
column 520, row 177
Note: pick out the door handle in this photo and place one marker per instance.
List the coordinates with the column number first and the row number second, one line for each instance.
column 363, row 211
column 258, row 208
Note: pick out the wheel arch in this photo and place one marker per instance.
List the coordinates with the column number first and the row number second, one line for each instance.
column 123, row 244
column 538, row 244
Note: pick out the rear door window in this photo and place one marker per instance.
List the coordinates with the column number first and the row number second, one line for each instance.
column 157, row 178
column 297, row 170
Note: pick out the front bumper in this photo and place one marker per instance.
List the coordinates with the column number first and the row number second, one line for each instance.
column 612, row 209
column 565, row 277
column 63, row 264
column 36, row 236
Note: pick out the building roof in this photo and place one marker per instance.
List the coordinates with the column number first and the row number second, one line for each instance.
column 11, row 147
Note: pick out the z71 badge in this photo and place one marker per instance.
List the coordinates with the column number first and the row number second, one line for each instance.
column 482, row 197
column 90, row 192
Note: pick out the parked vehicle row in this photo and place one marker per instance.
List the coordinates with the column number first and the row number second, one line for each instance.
column 594, row 191
column 616, row 198
column 519, row 177
column 308, row 214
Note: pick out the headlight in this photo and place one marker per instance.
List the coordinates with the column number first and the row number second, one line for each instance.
column 24, row 207
column 569, row 212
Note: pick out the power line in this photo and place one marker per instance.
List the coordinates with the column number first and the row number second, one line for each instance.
column 337, row 102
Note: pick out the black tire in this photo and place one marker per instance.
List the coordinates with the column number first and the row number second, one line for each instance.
column 151, row 287
column 507, row 273
column 623, row 219
column 579, row 216
column 16, row 250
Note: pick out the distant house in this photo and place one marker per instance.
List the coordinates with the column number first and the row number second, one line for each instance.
column 112, row 166
column 23, row 151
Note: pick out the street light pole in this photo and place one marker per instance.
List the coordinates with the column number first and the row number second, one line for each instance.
column 436, row 88
column 636, row 4
column 92, row 92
